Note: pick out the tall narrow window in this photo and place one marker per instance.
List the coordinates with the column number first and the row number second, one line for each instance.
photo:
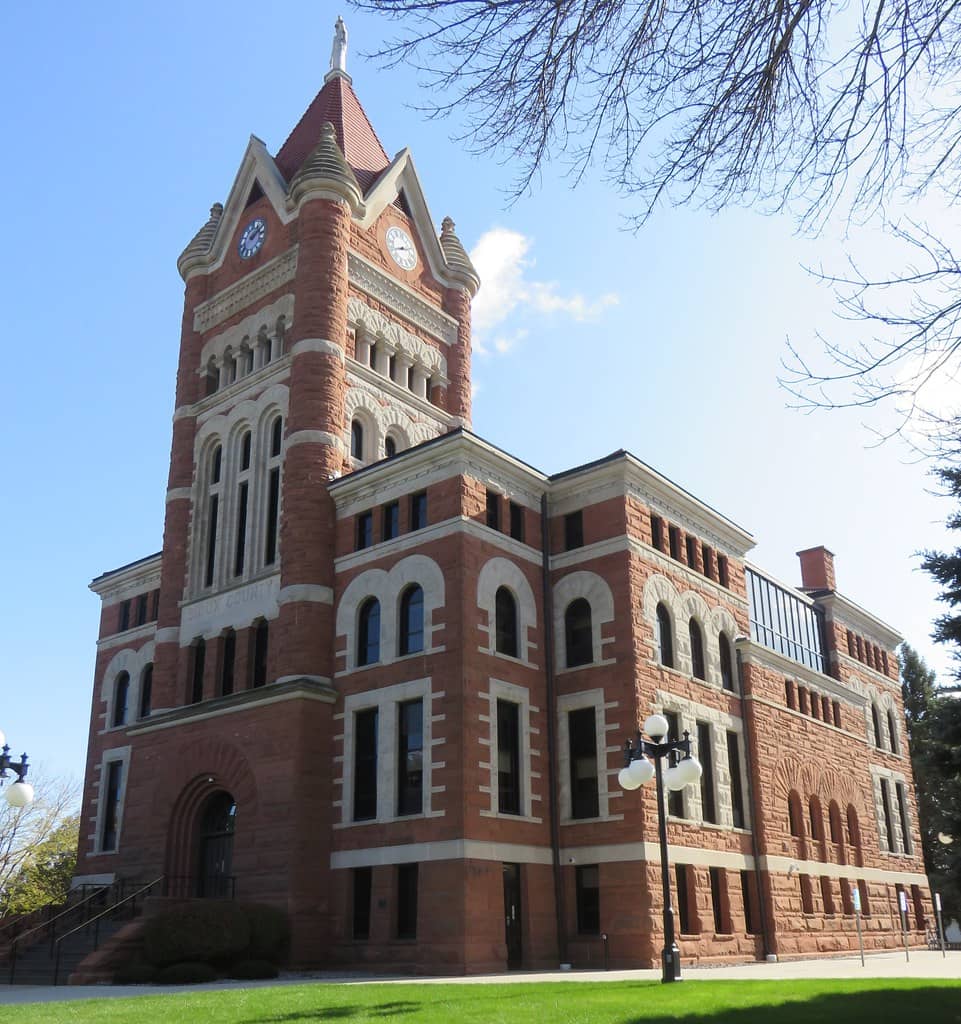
column 665, row 639
column 240, row 550
column 213, row 514
column 903, row 817
column 418, row 510
column 802, row 700
column 362, row 885
column 227, row 664
column 111, row 808
column 690, row 544
column 582, row 736
column 854, row 831
column 508, row 758
column 517, row 521
column 273, row 516
column 390, row 447
column 727, row 662
column 146, row 691
column 708, row 563
column 674, row 542
column 493, row 510
column 121, row 694
column 815, row 705
column 697, row 649
column 407, row 901
column 834, row 824
column 587, row 882
column 836, row 708
column 391, row 521
column 790, row 694
column 827, row 895
column 675, row 797
column 706, row 756
column 578, row 633
column 245, row 452
column 794, row 814
column 893, row 733
column 261, row 641
column 141, row 609
column 719, row 907
column 197, row 680
column 723, row 575
column 365, row 531
column 685, row 916
column 888, row 817
column 410, row 757
column 368, row 632
column 814, row 814
column 751, row 923
column 356, row 440
column 365, row 764
column 826, row 710
column 865, row 898
column 124, row 616
column 411, row 638
column 573, row 530
column 734, row 769
column 876, row 722
column 276, row 437
column 505, row 624
column 807, row 894
column 847, row 897
column 657, row 532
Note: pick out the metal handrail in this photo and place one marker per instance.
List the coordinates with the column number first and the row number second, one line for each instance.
column 95, row 921
column 51, row 924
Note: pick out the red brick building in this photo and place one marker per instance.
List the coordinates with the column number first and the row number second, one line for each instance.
column 381, row 672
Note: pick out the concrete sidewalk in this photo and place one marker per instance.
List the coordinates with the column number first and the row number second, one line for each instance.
column 923, row 964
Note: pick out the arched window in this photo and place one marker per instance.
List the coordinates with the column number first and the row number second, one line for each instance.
column 854, row 832
column 893, row 732
column 837, row 830
column 261, row 641
column 578, row 633
column 876, row 720
column 794, row 813
column 357, row 439
column 814, row 813
column 121, row 691
column 697, row 649
column 505, row 625
column 146, row 688
column 276, row 437
column 390, row 447
column 411, row 638
column 368, row 632
column 727, row 662
column 665, row 638
column 217, row 828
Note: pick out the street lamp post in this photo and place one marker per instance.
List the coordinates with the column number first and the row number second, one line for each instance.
column 637, row 771
column 20, row 793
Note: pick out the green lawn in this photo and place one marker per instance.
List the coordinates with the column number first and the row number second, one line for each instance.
column 715, row 1002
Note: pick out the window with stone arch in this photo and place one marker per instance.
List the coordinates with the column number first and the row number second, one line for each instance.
column 121, row 697
column 726, row 661
column 505, row 622
column 795, row 822
column 876, row 724
column 390, row 447
column 854, row 833
column 410, row 633
column 816, row 818
column 146, row 690
column 356, row 440
column 697, row 649
column 836, row 829
column 578, row 633
column 368, row 632
column 893, row 732
column 665, row 636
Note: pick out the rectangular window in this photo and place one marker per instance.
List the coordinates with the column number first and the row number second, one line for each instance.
column 493, row 510
column 418, row 510
column 719, row 900
column 582, row 734
column 802, row 699
column 261, row 641
column 273, row 516
column 706, row 756
column 836, row 706
column 573, row 530
column 365, row 764
column 406, row 901
column 197, row 674
column 737, row 791
column 751, row 924
column 365, row 531
column 657, row 532
column 391, row 520
column 675, row 797
column 847, row 898
column 709, row 567
column 508, row 758
column 888, row 818
column 807, row 894
column 241, row 549
column 685, row 919
column 124, row 616
column 517, row 521
column 790, row 696
column 903, row 816
column 691, row 545
column 587, row 880
column 111, row 809
column 410, row 757
column 815, row 705
column 362, row 885
column 213, row 512
column 674, row 538
column 155, row 607
column 865, row 898
column 227, row 666
column 141, row 609
column 723, row 576
column 827, row 896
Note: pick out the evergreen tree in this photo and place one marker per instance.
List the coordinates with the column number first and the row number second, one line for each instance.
column 945, row 567
column 918, row 686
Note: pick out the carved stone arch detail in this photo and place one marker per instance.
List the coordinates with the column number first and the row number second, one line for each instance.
column 502, row 572
column 133, row 662
column 376, row 325
column 428, row 575
column 360, row 406
column 372, row 583
column 690, row 605
column 595, row 590
column 659, row 590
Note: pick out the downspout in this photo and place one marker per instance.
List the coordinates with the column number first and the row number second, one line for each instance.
column 752, row 798
column 560, row 908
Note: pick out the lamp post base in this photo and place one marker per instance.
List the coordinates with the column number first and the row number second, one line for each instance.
column 670, row 963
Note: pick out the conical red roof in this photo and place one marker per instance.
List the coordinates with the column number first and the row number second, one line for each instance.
column 337, row 103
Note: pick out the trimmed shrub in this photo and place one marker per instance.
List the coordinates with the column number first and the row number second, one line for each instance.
column 269, row 932
column 185, row 974
column 250, row 970
column 135, row 974
column 206, row 931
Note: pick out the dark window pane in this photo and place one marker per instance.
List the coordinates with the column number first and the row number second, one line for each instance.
column 362, row 884
column 493, row 510
column 356, row 440
column 261, row 640
column 718, row 887
column 587, row 880
column 368, row 632
column 418, row 510
column 411, row 621
column 697, row 650
column 674, row 537
column 684, row 916
column 517, row 521
column 751, row 924
column 390, row 447
column 276, row 437
column 146, row 691
column 578, row 633
column 227, row 667
column 121, row 694
column 141, row 609
column 111, row 810
column 665, row 639
column 410, row 757
column 365, row 530
column 241, row 549
column 691, row 545
column 197, row 682
column 675, row 797
column 213, row 512
column 737, row 791
column 407, row 901
column 573, row 530
column 245, row 452
column 903, row 817
column 505, row 626
column 391, row 520
column 508, row 758
column 365, row 764
column 582, row 737
column 273, row 515
column 657, row 532
column 727, row 662
column 706, row 756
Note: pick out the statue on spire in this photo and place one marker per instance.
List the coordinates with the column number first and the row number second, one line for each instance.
column 338, row 52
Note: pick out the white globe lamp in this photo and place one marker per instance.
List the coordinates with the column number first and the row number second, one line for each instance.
column 19, row 794
column 656, row 727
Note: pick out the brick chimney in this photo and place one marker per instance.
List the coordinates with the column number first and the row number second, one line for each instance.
column 817, row 568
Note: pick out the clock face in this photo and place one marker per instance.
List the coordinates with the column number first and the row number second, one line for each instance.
column 401, row 248
column 252, row 238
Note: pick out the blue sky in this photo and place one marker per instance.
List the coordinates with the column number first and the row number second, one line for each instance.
column 123, row 123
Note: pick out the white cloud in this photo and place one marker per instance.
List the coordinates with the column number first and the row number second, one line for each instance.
column 501, row 259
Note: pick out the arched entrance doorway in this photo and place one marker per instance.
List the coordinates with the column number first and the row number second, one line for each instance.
column 216, row 846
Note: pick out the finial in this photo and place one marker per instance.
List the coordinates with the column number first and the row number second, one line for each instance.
column 338, row 52
column 217, row 210
column 447, row 226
